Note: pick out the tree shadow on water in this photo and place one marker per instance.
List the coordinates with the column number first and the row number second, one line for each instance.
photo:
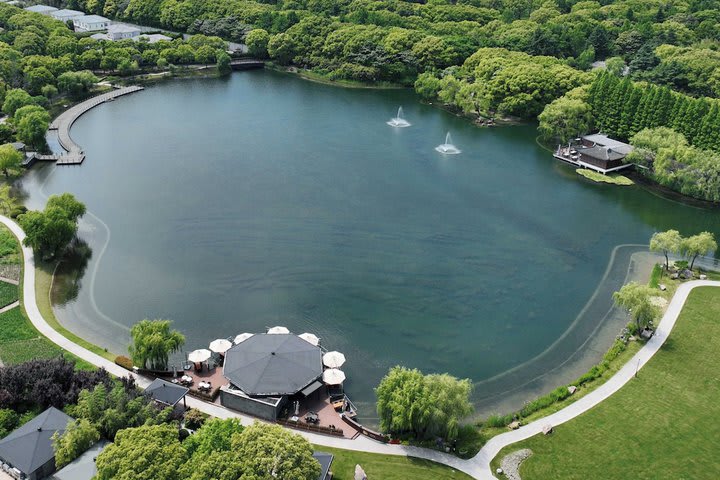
column 70, row 272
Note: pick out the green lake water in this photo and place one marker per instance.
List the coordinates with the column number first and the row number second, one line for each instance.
column 232, row 205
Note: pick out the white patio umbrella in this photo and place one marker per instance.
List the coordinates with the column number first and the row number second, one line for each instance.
column 333, row 359
column 333, row 376
column 221, row 345
column 310, row 338
column 197, row 356
column 276, row 330
column 242, row 337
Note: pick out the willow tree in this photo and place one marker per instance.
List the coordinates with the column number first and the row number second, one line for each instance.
column 425, row 405
column 697, row 245
column 152, row 343
column 636, row 299
column 666, row 242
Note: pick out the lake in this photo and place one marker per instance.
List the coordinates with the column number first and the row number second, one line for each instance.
column 231, row 205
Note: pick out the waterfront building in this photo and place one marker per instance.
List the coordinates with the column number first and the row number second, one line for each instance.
column 596, row 152
column 267, row 370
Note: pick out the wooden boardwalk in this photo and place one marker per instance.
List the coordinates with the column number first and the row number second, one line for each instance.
column 63, row 123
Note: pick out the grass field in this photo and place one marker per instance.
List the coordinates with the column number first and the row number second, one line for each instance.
column 20, row 342
column 614, row 179
column 43, row 281
column 387, row 467
column 661, row 425
column 8, row 293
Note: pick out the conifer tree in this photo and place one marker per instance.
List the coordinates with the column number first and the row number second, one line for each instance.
column 630, row 109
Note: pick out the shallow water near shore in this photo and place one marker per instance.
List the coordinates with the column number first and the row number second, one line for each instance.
column 232, row 205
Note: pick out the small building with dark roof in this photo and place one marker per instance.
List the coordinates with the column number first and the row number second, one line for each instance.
column 266, row 369
column 597, row 152
column 166, row 393
column 29, row 449
column 325, row 460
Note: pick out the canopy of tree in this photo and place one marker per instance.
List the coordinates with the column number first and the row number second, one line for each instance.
column 219, row 449
column 671, row 162
column 426, row 406
column 152, row 343
column 636, row 299
column 40, row 384
column 49, row 232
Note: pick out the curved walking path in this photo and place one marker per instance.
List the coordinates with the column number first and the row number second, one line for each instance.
column 65, row 121
column 477, row 467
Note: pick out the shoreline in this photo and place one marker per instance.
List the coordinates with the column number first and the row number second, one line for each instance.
column 478, row 466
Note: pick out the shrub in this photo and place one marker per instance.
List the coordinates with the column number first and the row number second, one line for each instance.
column 681, row 264
column 19, row 210
column 124, row 362
column 195, row 419
column 183, row 434
column 9, row 421
column 632, row 328
column 498, row 421
column 44, row 383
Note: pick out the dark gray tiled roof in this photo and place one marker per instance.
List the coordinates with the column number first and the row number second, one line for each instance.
column 165, row 392
column 273, row 364
column 30, row 446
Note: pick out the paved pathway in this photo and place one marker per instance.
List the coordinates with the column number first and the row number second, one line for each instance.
column 10, row 307
column 478, row 466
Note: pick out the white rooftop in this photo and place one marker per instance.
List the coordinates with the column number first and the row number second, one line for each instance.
column 153, row 37
column 122, row 28
column 605, row 141
column 66, row 12
column 41, row 9
column 92, row 19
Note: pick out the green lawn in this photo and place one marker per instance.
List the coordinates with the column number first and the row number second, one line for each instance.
column 8, row 293
column 600, row 178
column 387, row 467
column 43, row 281
column 661, row 425
column 20, row 342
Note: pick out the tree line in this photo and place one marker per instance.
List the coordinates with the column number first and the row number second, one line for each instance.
column 42, row 60
column 397, row 40
column 621, row 108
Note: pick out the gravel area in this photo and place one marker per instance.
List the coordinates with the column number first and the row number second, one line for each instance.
column 511, row 463
column 10, row 271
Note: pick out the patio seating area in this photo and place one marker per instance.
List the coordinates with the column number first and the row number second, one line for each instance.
column 319, row 413
column 204, row 383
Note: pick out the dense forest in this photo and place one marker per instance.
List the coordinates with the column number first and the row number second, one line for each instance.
column 660, row 60
column 42, row 61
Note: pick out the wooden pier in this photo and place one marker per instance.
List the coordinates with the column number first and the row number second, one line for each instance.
column 74, row 155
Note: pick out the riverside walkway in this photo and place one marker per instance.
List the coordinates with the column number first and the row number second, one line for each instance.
column 477, row 467
column 63, row 123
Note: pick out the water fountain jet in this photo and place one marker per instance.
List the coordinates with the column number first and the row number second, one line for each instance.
column 448, row 148
column 399, row 121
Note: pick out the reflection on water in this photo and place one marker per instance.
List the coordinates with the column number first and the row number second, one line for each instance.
column 69, row 274
column 277, row 213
